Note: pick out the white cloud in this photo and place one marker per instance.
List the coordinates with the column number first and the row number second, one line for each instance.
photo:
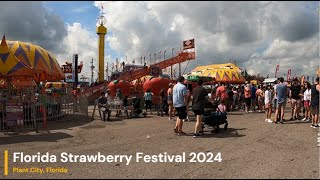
column 82, row 42
column 222, row 30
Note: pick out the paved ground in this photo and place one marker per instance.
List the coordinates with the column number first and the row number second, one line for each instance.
column 250, row 148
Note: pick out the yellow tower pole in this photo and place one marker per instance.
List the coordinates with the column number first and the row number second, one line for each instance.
column 101, row 31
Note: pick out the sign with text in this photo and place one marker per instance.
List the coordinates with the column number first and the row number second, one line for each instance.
column 14, row 112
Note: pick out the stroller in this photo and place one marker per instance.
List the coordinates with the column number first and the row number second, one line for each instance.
column 137, row 108
column 214, row 119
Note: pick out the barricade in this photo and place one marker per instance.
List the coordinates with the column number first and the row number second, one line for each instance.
column 25, row 113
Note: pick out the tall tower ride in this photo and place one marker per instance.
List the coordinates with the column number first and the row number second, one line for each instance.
column 101, row 31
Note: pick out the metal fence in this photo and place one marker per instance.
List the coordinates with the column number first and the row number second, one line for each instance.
column 21, row 113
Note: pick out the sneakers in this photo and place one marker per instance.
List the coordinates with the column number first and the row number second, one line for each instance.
column 304, row 119
column 196, row 135
column 316, row 126
column 269, row 121
column 250, row 111
column 312, row 126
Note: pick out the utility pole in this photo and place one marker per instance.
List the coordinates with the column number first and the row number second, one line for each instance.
column 92, row 67
column 171, row 65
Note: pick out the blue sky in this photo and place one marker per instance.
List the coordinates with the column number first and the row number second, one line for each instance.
column 83, row 12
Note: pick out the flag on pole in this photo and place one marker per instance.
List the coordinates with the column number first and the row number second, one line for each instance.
column 289, row 75
column 277, row 69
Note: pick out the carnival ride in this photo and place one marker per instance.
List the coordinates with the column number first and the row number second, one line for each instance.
column 228, row 73
column 135, row 76
column 26, row 65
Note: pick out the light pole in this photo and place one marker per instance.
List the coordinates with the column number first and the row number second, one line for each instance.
column 92, row 67
column 155, row 56
column 150, row 58
column 164, row 58
column 159, row 55
column 171, row 65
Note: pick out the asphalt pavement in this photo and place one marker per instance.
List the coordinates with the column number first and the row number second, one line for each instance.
column 249, row 148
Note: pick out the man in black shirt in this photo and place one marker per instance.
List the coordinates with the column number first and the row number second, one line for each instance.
column 295, row 92
column 103, row 106
column 199, row 98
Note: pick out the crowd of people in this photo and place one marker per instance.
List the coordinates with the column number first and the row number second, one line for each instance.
column 269, row 98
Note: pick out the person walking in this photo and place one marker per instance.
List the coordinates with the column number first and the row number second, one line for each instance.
column 148, row 100
column 170, row 101
column 198, row 101
column 260, row 95
column 180, row 99
column 315, row 89
column 307, row 102
column 281, row 93
column 247, row 97
column 268, row 103
column 294, row 94
column 253, row 97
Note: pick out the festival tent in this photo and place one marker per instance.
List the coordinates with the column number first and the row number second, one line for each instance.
column 228, row 73
column 43, row 64
column 10, row 65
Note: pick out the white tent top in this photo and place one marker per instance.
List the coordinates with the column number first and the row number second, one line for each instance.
column 270, row 80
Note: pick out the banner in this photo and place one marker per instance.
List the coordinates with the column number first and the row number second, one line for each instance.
column 189, row 44
column 14, row 111
column 289, row 75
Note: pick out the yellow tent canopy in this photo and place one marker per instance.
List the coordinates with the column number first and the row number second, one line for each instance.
column 228, row 73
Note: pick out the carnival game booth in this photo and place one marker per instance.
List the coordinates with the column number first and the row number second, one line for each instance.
column 227, row 73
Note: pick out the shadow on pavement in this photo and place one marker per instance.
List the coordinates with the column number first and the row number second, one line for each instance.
column 45, row 137
column 230, row 132
column 70, row 121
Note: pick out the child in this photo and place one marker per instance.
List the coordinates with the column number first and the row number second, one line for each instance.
column 222, row 107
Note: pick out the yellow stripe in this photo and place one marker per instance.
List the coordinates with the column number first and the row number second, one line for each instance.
column 6, row 162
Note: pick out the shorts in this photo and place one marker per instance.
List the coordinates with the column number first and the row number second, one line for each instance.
column 274, row 103
column 283, row 104
column 297, row 101
column 182, row 112
column 306, row 103
column 268, row 105
column 315, row 110
column 248, row 101
column 198, row 112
